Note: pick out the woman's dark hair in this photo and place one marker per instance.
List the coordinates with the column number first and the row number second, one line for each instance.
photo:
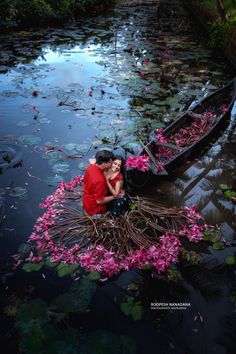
column 104, row 156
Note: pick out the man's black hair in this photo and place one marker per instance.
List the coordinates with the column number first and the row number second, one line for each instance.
column 104, row 156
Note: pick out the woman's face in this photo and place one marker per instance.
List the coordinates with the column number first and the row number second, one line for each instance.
column 116, row 165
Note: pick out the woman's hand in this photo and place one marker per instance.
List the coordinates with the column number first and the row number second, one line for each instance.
column 120, row 195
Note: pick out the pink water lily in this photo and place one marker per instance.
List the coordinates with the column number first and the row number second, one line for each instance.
column 140, row 162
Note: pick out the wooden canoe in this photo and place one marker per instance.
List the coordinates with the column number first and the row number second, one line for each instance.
column 218, row 104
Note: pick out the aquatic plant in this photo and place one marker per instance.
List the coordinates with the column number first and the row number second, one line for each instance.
column 140, row 162
column 47, row 327
column 25, row 13
column 228, row 192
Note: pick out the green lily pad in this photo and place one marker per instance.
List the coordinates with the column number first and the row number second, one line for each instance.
column 50, row 264
column 44, row 121
column 54, row 180
column 104, row 342
column 22, row 124
column 218, row 246
column 29, row 139
column 224, row 187
column 64, row 270
column 230, row 260
column 32, row 267
column 61, row 168
column 93, row 275
column 71, row 146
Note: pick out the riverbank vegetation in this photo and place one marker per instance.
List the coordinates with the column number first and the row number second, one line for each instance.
column 31, row 13
column 221, row 18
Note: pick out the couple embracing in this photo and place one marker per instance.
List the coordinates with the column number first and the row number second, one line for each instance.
column 103, row 185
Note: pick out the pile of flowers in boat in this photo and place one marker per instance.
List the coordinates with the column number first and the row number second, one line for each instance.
column 183, row 138
column 148, row 235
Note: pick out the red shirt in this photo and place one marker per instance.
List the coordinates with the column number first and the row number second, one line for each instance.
column 95, row 189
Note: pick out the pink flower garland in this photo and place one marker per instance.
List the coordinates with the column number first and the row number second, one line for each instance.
column 97, row 257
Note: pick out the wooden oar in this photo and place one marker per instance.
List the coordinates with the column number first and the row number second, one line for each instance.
column 169, row 146
column 195, row 115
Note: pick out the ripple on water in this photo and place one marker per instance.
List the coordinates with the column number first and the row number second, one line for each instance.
column 11, row 155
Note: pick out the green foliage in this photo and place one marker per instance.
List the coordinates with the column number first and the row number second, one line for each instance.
column 93, row 275
column 173, row 275
column 62, row 9
column 42, row 330
column 37, row 323
column 66, row 342
column 104, row 342
column 132, row 308
column 219, row 33
column 32, row 316
column 84, row 5
column 133, row 206
column 218, row 246
column 230, row 260
column 228, row 192
column 212, row 235
column 220, row 30
column 77, row 299
column 224, row 187
column 83, row 291
column 25, row 13
column 191, row 257
column 8, row 13
column 64, row 270
column 32, row 267
column 33, row 11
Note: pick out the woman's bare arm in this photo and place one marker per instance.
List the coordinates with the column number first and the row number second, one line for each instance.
column 115, row 191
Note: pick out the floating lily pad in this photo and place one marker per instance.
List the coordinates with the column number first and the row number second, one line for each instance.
column 54, row 180
column 30, row 139
column 32, row 267
column 82, row 147
column 44, row 121
column 66, row 269
column 61, row 168
column 230, row 260
column 22, row 124
column 51, row 155
column 71, row 146
column 218, row 245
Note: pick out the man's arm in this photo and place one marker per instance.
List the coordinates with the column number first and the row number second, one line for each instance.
column 105, row 200
column 100, row 193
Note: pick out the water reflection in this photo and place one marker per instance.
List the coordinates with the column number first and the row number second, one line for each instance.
column 199, row 182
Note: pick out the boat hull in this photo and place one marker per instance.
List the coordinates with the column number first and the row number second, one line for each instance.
column 228, row 93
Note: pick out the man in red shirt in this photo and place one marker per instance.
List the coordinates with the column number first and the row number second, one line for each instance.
column 95, row 186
